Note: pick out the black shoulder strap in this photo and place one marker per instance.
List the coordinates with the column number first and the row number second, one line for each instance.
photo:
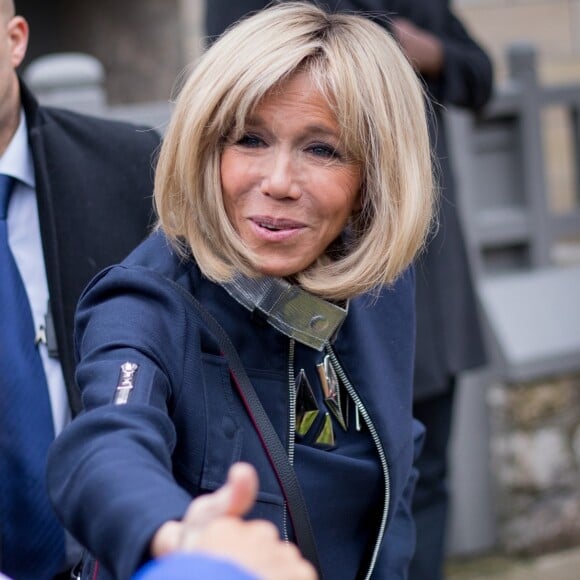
column 271, row 442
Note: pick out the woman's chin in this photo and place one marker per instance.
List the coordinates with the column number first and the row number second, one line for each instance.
column 275, row 269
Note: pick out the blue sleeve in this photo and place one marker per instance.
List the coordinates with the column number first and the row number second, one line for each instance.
column 110, row 471
column 191, row 567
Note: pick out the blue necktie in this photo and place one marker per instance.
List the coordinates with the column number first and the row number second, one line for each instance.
column 31, row 539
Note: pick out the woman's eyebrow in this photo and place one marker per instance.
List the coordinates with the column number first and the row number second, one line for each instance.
column 254, row 121
column 321, row 130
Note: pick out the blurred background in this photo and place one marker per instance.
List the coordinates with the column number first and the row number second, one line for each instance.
column 145, row 43
column 516, row 442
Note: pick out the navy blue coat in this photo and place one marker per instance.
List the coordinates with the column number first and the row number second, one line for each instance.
column 118, row 472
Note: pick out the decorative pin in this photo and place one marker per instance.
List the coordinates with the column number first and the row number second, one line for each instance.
column 306, row 407
column 335, row 400
column 326, row 435
column 126, row 383
column 357, row 418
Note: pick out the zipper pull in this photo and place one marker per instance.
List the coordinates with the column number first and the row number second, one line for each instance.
column 357, row 422
column 126, row 383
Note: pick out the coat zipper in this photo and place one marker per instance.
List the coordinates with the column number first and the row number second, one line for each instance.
column 382, row 456
column 372, row 430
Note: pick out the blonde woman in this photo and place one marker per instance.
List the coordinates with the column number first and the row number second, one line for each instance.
column 293, row 191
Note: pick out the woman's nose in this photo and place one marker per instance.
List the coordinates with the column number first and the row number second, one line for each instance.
column 280, row 178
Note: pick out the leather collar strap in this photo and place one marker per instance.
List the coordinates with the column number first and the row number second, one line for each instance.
column 290, row 309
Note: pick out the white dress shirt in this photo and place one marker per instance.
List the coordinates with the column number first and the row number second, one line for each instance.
column 26, row 245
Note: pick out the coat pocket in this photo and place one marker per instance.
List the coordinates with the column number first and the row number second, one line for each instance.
column 231, row 435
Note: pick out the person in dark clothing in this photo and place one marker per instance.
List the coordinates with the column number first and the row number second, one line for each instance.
column 76, row 197
column 220, row 14
column 456, row 71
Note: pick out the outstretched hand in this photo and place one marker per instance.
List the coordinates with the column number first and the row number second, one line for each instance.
column 213, row 525
column 235, row 498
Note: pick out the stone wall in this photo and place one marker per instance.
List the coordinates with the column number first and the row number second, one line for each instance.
column 535, row 460
column 142, row 44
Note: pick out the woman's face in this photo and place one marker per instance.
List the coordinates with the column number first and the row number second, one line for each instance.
column 288, row 184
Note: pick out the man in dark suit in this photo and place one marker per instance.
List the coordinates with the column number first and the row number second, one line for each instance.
column 456, row 71
column 79, row 199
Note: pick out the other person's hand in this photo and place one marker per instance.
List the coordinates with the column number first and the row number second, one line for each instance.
column 213, row 525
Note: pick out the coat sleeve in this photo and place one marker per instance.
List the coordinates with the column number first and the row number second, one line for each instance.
column 109, row 472
column 467, row 77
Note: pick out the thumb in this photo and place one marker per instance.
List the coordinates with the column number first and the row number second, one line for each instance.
column 234, row 498
column 242, row 488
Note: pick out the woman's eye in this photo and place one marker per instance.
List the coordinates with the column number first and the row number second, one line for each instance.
column 325, row 151
column 250, row 140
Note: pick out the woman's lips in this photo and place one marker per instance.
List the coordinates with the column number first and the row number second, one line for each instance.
column 275, row 229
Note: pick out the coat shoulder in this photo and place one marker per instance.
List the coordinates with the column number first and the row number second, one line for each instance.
column 94, row 129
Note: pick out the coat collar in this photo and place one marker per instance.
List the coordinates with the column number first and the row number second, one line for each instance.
column 29, row 104
column 288, row 308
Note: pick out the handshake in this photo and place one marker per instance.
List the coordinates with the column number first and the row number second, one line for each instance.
column 213, row 533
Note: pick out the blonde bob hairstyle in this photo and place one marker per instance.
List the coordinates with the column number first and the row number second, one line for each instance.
column 379, row 106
